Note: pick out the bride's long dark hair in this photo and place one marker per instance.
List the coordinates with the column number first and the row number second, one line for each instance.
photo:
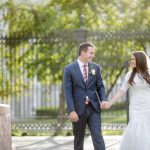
column 141, row 67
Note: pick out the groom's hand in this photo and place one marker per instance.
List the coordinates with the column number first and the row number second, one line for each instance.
column 73, row 116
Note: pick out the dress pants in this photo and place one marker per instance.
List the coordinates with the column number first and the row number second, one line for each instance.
column 93, row 120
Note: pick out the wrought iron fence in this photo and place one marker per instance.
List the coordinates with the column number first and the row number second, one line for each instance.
column 31, row 70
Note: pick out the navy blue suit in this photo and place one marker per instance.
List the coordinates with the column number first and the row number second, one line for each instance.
column 76, row 90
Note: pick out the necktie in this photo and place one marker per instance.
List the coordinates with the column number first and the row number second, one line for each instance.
column 84, row 73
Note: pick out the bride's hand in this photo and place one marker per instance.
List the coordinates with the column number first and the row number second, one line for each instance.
column 106, row 105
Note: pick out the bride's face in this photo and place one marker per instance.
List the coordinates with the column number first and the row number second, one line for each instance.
column 133, row 62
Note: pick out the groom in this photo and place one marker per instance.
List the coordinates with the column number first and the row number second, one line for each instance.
column 84, row 89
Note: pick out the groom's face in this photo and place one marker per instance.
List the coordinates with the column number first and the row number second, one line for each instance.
column 89, row 54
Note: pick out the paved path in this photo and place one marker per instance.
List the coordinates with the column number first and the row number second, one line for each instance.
column 60, row 143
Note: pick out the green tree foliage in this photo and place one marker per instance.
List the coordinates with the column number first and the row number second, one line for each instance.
column 44, row 37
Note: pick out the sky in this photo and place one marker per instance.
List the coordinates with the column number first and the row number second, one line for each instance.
column 29, row 1
column 26, row 1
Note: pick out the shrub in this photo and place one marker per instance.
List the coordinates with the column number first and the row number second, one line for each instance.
column 118, row 106
column 47, row 111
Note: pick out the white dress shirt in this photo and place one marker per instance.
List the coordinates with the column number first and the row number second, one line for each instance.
column 81, row 66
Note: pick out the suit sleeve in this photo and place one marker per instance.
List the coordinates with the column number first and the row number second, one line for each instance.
column 100, row 86
column 67, row 85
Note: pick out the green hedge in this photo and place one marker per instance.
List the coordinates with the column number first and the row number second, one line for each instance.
column 118, row 106
column 54, row 112
column 47, row 111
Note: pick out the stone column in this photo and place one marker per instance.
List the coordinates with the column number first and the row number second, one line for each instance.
column 81, row 33
column 5, row 127
column 148, row 49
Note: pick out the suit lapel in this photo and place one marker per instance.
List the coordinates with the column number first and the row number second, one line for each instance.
column 79, row 71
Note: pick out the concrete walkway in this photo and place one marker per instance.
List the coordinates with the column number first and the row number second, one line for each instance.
column 60, row 143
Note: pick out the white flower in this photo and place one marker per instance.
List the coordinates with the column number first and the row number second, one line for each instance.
column 93, row 71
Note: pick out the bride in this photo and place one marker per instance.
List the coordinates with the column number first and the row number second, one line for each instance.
column 136, row 136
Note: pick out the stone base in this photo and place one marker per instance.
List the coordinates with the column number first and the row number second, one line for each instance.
column 13, row 147
column 5, row 127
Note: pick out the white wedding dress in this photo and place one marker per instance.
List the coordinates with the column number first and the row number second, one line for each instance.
column 137, row 133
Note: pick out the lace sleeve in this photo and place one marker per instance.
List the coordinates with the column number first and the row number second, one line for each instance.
column 125, row 84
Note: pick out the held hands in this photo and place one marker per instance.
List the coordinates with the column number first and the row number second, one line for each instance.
column 73, row 116
column 105, row 105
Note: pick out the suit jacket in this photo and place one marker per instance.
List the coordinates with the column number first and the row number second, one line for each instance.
column 76, row 90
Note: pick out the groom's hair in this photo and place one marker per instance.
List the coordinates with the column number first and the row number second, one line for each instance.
column 84, row 47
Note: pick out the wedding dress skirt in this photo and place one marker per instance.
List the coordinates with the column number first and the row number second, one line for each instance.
column 137, row 133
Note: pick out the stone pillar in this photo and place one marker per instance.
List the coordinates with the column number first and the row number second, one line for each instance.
column 81, row 33
column 81, row 36
column 126, row 65
column 148, row 49
column 5, row 127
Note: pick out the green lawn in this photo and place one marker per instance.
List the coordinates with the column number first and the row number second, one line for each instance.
column 110, row 119
column 112, row 116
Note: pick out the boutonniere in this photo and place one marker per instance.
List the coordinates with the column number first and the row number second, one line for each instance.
column 91, row 69
column 93, row 72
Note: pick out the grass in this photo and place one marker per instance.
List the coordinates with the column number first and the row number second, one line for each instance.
column 63, row 133
column 109, row 118
column 112, row 132
column 114, row 116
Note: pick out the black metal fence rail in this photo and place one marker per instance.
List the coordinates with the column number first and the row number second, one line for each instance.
column 31, row 70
